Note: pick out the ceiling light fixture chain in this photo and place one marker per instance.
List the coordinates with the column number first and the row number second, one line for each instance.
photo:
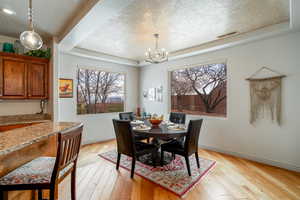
column 30, row 15
column 157, row 55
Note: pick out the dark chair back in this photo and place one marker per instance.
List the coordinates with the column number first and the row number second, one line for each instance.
column 192, row 137
column 125, row 138
column 178, row 118
column 126, row 116
column 69, row 143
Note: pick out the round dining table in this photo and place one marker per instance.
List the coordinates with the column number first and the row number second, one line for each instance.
column 160, row 134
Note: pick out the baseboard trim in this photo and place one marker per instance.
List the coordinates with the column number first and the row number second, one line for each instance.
column 254, row 158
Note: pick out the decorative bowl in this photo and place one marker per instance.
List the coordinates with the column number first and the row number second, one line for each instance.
column 155, row 122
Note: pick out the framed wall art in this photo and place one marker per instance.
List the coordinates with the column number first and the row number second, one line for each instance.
column 65, row 88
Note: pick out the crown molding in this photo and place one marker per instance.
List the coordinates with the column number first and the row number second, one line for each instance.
column 101, row 56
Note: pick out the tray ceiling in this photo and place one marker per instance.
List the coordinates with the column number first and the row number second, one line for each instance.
column 181, row 24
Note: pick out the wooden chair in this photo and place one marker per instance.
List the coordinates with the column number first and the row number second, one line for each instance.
column 186, row 148
column 130, row 116
column 45, row 173
column 177, row 118
column 126, row 144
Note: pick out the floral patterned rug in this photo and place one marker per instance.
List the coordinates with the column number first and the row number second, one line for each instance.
column 173, row 177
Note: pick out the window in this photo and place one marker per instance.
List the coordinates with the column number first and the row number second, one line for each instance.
column 199, row 90
column 99, row 91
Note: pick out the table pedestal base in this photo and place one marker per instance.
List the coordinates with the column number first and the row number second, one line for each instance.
column 147, row 159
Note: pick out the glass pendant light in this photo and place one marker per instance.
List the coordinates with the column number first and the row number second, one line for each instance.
column 30, row 39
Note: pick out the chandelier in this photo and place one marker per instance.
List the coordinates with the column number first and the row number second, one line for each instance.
column 30, row 39
column 157, row 55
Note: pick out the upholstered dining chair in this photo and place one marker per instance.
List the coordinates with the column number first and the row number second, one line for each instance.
column 186, row 148
column 127, row 145
column 126, row 116
column 45, row 173
column 177, row 118
column 130, row 116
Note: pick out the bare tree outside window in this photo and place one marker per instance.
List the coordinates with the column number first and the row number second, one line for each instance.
column 99, row 91
column 199, row 90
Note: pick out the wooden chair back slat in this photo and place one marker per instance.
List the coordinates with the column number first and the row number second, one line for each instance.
column 70, row 151
column 64, row 151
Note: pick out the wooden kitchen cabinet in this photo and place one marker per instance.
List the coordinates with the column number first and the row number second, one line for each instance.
column 14, row 79
column 23, row 77
column 37, row 87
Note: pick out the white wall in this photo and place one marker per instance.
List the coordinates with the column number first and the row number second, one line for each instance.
column 20, row 107
column 97, row 127
column 266, row 141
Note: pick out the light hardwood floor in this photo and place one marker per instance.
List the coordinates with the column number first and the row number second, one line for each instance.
column 232, row 178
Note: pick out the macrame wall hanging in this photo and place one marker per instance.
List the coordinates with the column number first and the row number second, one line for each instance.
column 265, row 95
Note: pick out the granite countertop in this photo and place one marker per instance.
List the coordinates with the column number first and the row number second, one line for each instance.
column 19, row 138
column 24, row 119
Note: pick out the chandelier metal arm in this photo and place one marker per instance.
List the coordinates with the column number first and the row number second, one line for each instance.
column 150, row 57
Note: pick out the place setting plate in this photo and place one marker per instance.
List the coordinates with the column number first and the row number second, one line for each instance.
column 136, row 122
column 168, row 123
column 177, row 128
column 142, row 128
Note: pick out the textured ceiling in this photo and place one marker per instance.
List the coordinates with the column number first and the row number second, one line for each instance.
column 181, row 24
column 50, row 16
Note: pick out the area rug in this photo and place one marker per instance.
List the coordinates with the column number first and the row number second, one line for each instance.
column 173, row 177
